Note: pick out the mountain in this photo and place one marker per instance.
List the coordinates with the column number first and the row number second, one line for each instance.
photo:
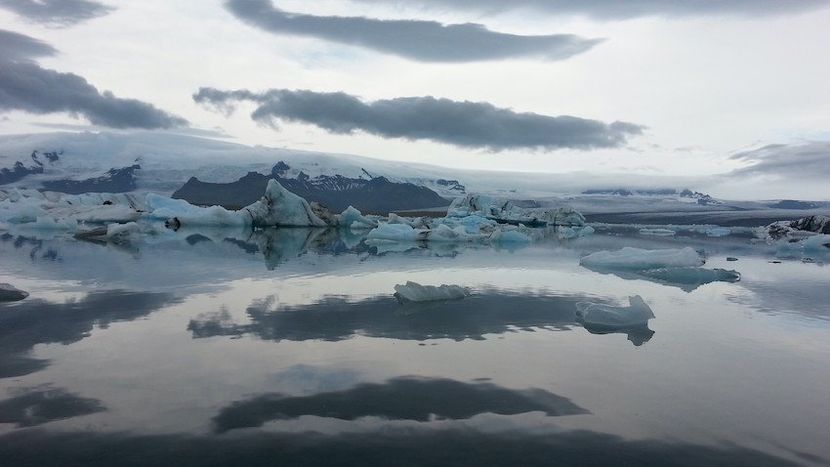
column 376, row 195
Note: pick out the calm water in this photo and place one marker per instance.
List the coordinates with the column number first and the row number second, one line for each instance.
column 287, row 348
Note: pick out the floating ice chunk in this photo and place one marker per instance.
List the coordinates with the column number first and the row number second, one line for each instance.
column 414, row 292
column 9, row 293
column 630, row 258
column 397, row 232
column 354, row 219
column 607, row 317
column 509, row 236
column 658, row 232
column 564, row 216
column 718, row 232
column 122, row 231
column 164, row 208
column 818, row 243
column 50, row 223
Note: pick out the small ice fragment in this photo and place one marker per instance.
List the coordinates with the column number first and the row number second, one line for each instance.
column 9, row 293
column 731, row 258
column 414, row 292
column 609, row 317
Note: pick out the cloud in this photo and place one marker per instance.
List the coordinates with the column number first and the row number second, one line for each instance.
column 36, row 406
column 26, row 86
column 56, row 12
column 19, row 47
column 465, row 124
column 427, row 41
column 809, row 161
column 616, row 9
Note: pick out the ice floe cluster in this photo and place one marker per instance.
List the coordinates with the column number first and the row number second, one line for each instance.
column 677, row 267
column 809, row 235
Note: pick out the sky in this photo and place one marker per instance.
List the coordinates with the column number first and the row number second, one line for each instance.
column 651, row 87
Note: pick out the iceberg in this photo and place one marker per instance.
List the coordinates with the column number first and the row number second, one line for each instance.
column 817, row 243
column 415, row 292
column 630, row 258
column 120, row 232
column 505, row 211
column 9, row 293
column 280, row 207
column 354, row 219
column 509, row 236
column 612, row 318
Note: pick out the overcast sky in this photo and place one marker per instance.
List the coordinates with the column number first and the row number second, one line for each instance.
column 645, row 86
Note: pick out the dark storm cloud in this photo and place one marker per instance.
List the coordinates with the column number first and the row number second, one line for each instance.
column 19, row 47
column 427, row 41
column 56, row 12
column 26, row 86
column 794, row 161
column 465, row 124
column 404, row 398
column 619, row 9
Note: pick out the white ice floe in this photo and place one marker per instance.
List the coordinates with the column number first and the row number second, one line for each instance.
column 630, row 258
column 658, row 232
column 414, row 292
column 608, row 317
column 9, row 293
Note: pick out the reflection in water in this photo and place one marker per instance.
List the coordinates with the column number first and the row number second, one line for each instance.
column 26, row 324
column 336, row 318
column 686, row 279
column 636, row 335
column 43, row 405
column 404, row 398
column 389, row 446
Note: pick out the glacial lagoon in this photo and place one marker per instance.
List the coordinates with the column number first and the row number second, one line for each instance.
column 289, row 347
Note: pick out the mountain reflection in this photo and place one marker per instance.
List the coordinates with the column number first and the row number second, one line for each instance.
column 31, row 322
column 403, row 398
column 336, row 318
column 407, row 446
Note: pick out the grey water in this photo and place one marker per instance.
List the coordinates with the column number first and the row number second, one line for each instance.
column 288, row 347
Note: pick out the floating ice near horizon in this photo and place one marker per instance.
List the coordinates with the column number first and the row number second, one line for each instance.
column 415, row 292
column 630, row 258
column 608, row 317
column 9, row 293
column 355, row 219
column 658, row 232
column 817, row 243
column 718, row 231
column 507, row 212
